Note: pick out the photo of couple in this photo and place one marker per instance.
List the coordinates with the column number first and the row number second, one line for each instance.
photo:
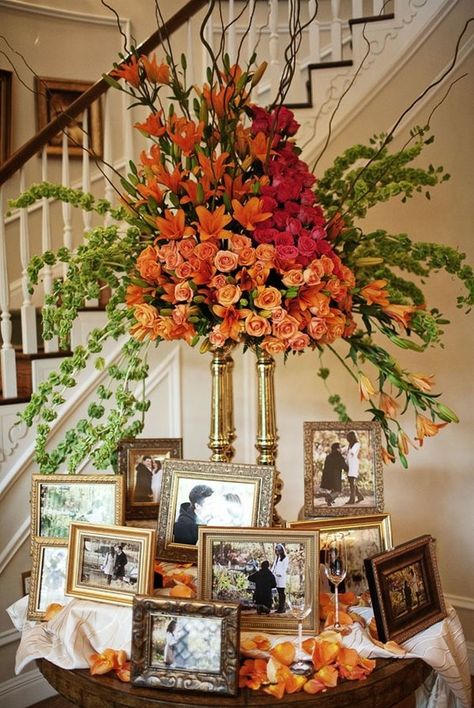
column 147, row 478
column 186, row 642
column 211, row 503
column 110, row 564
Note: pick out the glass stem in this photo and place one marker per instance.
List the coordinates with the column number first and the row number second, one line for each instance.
column 336, row 602
column 300, row 639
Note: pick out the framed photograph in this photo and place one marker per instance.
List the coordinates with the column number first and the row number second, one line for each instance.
column 53, row 96
column 48, row 576
column 59, row 499
column 26, row 582
column 141, row 462
column 5, row 114
column 342, row 469
column 364, row 536
column 185, row 645
column 110, row 563
column 271, row 572
column 405, row 589
column 196, row 494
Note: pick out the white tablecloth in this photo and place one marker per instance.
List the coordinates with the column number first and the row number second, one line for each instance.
column 84, row 627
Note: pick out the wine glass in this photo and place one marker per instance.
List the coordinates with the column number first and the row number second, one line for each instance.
column 335, row 566
column 300, row 609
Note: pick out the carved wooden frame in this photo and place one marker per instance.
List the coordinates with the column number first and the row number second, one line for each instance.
column 144, row 673
column 36, row 580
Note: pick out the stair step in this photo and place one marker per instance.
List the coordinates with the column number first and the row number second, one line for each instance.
column 24, row 374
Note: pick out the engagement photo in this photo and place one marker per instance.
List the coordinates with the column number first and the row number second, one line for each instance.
column 186, row 643
column 265, row 578
column 62, row 503
column 147, row 477
column 110, row 563
column 406, row 590
column 211, row 503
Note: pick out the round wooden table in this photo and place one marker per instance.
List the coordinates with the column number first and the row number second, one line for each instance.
column 390, row 682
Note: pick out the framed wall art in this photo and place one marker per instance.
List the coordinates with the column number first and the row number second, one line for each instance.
column 364, row 536
column 185, row 645
column 59, row 499
column 53, row 96
column 26, row 582
column 141, row 461
column 110, row 563
column 5, row 114
column 196, row 494
column 405, row 589
column 271, row 572
column 342, row 469
column 48, row 576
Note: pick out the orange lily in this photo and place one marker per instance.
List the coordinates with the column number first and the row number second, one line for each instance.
column 422, row 381
column 171, row 180
column 150, row 189
column 173, row 225
column 259, row 147
column 215, row 168
column 211, row 223
column 387, row 457
column 426, row 428
column 366, row 387
column 400, row 313
column 129, row 72
column 186, row 134
column 156, row 73
column 251, row 213
column 191, row 189
column 231, row 325
column 388, row 405
column 218, row 100
column 152, row 126
column 375, row 294
column 403, row 441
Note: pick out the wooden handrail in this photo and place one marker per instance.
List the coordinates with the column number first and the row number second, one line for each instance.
column 37, row 142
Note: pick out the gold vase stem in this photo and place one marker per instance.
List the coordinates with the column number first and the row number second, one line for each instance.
column 229, row 406
column 219, row 433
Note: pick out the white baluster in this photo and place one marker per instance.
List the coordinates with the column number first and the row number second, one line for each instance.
column 357, row 9
column 7, row 353
column 336, row 31
column 65, row 207
column 251, row 37
column 28, row 313
column 314, row 33
column 274, row 67
column 377, row 7
column 86, row 168
column 107, row 167
column 231, row 32
column 190, row 40
column 50, row 345
column 209, row 37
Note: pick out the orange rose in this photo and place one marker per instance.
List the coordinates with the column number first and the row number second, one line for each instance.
column 327, row 264
column 247, row 256
column 228, row 295
column 216, row 337
column 313, row 273
column 184, row 270
column 335, row 323
column 293, row 278
column 259, row 272
column 147, row 265
column 146, row 314
column 278, row 314
column 238, row 242
column 265, row 252
column 319, row 305
column 256, row 326
column 299, row 342
column 183, row 291
column 218, row 281
column 317, row 328
column 225, row 261
column 286, row 328
column 206, row 250
column 268, row 298
column 333, row 287
column 273, row 346
column 186, row 247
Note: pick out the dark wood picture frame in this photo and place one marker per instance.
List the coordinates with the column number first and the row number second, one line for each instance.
column 26, row 582
column 5, row 114
column 53, row 96
column 131, row 452
column 222, row 654
column 405, row 588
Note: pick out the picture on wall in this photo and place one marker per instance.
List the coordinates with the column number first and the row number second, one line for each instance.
column 110, row 563
column 270, row 572
column 185, row 645
column 342, row 468
column 59, row 499
column 197, row 494
column 364, row 536
column 405, row 588
column 48, row 576
column 141, row 461
column 53, row 96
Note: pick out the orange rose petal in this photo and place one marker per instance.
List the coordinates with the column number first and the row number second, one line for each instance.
column 124, row 673
column 294, row 683
column 357, row 618
column 394, row 648
column 324, row 653
column 328, row 675
column 181, row 591
column 325, row 599
column 262, row 642
column 247, row 645
column 373, row 628
column 52, row 610
column 120, row 659
column 344, row 618
column 101, row 666
column 276, row 689
column 348, row 598
column 284, row 652
column 314, row 686
column 308, row 645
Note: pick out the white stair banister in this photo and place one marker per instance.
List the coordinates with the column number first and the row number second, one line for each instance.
column 28, row 312
column 274, row 66
column 50, row 345
column 314, row 33
column 336, row 31
column 65, row 207
column 7, row 353
column 107, row 166
column 86, row 169
column 231, row 32
column 209, row 37
column 357, row 9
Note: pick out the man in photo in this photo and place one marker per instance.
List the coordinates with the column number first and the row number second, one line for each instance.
column 334, row 466
column 143, row 479
column 264, row 581
column 196, row 512
column 121, row 561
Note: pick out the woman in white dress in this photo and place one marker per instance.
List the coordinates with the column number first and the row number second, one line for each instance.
column 109, row 564
column 353, row 463
column 170, row 643
column 279, row 570
column 156, row 479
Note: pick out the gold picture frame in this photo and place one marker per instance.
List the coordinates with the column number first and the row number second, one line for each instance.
column 5, row 114
column 96, row 569
column 343, row 471
column 196, row 493
column 405, row 588
column 228, row 563
column 133, row 456
column 53, row 96
column 365, row 536
column 59, row 499
column 48, row 576
column 209, row 658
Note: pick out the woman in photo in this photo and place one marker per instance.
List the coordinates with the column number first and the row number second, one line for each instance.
column 353, row 464
column 331, row 479
column 170, row 643
column 109, row 564
column 279, row 570
column 227, row 510
column 156, row 479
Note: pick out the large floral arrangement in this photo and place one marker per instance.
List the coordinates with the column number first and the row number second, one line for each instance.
column 232, row 239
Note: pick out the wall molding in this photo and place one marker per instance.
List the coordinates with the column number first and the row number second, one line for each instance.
column 70, row 15
column 25, row 689
column 8, row 636
column 14, row 544
column 464, row 603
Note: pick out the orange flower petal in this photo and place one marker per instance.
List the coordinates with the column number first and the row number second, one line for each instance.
column 276, row 689
column 52, row 610
column 123, row 675
column 348, row 598
column 308, row 645
column 328, row 675
column 344, row 618
column 294, row 683
column 101, row 666
column 284, row 652
column 324, row 653
column 314, row 686
column 181, row 590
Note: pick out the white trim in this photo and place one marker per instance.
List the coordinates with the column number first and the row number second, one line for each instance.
column 464, row 603
column 168, row 370
column 71, row 15
column 25, row 690
column 14, row 544
column 8, row 636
